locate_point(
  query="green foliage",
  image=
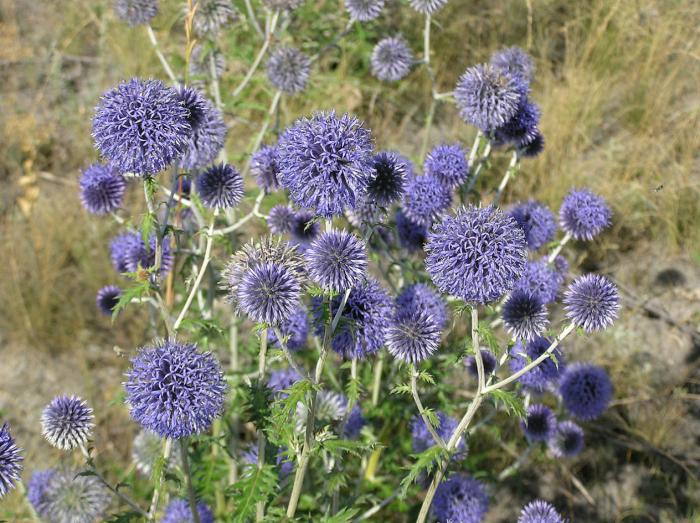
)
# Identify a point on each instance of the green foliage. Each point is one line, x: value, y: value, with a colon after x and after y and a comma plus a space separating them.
x: 257, y: 484
x: 345, y: 515
x: 425, y: 463
x: 512, y: 403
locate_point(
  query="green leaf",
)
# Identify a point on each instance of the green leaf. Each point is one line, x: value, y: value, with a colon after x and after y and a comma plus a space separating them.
x: 138, y: 290
x: 510, y: 401
x: 425, y: 376
x: 487, y: 337
x: 404, y: 388
x: 425, y: 462
x: 338, y: 447
x: 125, y: 517
x: 258, y: 484
x: 345, y: 515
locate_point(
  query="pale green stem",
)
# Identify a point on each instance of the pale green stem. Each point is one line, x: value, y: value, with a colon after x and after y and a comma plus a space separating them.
x: 262, y: 362
x: 153, y: 509
x: 161, y: 57
x: 270, y: 26
x: 421, y: 410
x: 552, y: 256
x: 188, y: 478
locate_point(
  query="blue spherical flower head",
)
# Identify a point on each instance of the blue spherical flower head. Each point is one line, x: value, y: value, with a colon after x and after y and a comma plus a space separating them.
x: 412, y: 235
x: 567, y: 440
x: 561, y: 266
x: 524, y: 315
x: 522, y: 128
x: 391, y: 59
x: 539, y: 423
x: 355, y: 423
x: 364, y: 10
x: 263, y: 166
x: 539, y: 279
x: 389, y: 178
x: 69, y: 497
x: 37, y: 488
x: 136, y: 12
x: 534, y: 147
x: 412, y: 337
x: 174, y: 390
x: 141, y: 127
x: 220, y: 187
x: 448, y: 164
x: 586, y: 391
x: 425, y: 200
x: 476, y: 255
x: 129, y: 253
x: 326, y: 163
x: 337, y: 260
x: 208, y: 129
x: 67, y: 422
x: 427, y: 7
x: 280, y: 219
x: 422, y: 298
x: 592, y: 302
x: 422, y: 440
x: 10, y: 461
x: 487, y: 98
x: 547, y: 372
x: 584, y: 214
x: 536, y: 221
x: 281, y: 380
x: 461, y: 499
x: 288, y: 69
x: 514, y: 61
x: 295, y: 329
x: 488, y: 359
x: 539, y: 511
x: 108, y: 298
x: 304, y: 229
x: 101, y: 189
x: 179, y: 511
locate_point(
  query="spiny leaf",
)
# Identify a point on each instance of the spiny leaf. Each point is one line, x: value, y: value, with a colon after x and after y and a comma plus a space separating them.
x: 340, y: 446
x: 510, y: 401
x: 425, y: 462
x: 345, y: 515
x: 487, y: 337
x: 138, y: 290
x: 404, y: 388
x: 258, y: 484
x: 425, y: 376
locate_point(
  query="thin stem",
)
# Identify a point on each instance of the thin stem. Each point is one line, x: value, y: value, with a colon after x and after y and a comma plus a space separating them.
x: 285, y: 350
x: 245, y: 219
x: 475, y: 148
x: 253, y: 18
x: 334, y: 42
x: 426, y: 129
x: 234, y: 366
x: 188, y: 477
x: 270, y: 25
x: 477, y: 349
x: 377, y: 382
x: 477, y: 170
x: 510, y: 470
x: 421, y: 410
x: 262, y: 362
x: 153, y: 509
x: 161, y: 57
x: 431, y: 110
x: 512, y: 169
x: 552, y: 256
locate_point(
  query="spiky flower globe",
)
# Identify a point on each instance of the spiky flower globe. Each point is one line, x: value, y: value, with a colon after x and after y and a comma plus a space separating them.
x: 174, y: 390
x: 412, y: 235
x: 476, y: 255
x: 487, y: 98
x: 539, y: 423
x: 540, y: 377
x: 281, y: 380
x: 567, y: 440
x: 515, y: 62
x: 425, y: 200
x: 211, y: 16
x: 539, y: 511
x: 304, y: 229
x: 37, y: 487
x: 263, y: 166
x: 592, y: 302
x: 522, y: 128
x: 208, y: 129
x: 337, y: 260
x: 67, y: 422
x: 422, y: 440
x: 364, y: 10
x: 10, y: 461
x: 584, y: 214
x: 280, y: 219
x: 147, y: 449
x: 420, y: 297
x: 220, y: 186
x: 427, y: 7
x: 586, y: 390
x: 536, y: 221
x: 101, y: 189
x: 129, y: 253
x: 524, y: 315
x: 391, y: 59
x: 460, y: 498
x: 412, y: 337
x: 288, y: 69
x: 141, y: 127
x: 330, y: 409
x: 107, y: 299
x: 539, y: 279
x: 66, y: 497
x: 447, y: 164
x: 326, y: 162
x: 179, y: 511
x: 295, y: 329
x: 534, y: 147
x: 136, y: 12
x: 389, y: 178
x: 487, y: 358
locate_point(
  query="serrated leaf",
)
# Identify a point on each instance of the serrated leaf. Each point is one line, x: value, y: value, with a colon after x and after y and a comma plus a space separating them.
x: 258, y: 484
x: 510, y: 401
x: 425, y: 462
x: 487, y: 336
x: 404, y: 388
x: 425, y: 376
x: 138, y: 290
x: 337, y: 447
x: 344, y: 515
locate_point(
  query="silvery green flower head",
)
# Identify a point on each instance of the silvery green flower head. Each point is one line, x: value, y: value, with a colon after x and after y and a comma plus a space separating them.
x: 460, y: 498
x: 288, y: 69
x: 208, y: 129
x: 539, y: 511
x: 147, y: 449
x: 211, y: 16
x: 101, y: 189
x: 326, y: 162
x: 364, y: 10
x: 136, y: 12
x: 67, y: 422
x: 10, y: 461
x: 330, y: 409
x: 68, y: 497
x: 391, y: 59
x: 174, y: 390
x: 141, y: 127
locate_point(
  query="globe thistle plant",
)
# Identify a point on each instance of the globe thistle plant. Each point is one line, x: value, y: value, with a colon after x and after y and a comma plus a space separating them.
x: 392, y: 59
x: 539, y: 511
x: 263, y: 166
x: 539, y: 423
x: 295, y: 329
x: 420, y: 297
x: 427, y: 7
x: 522, y: 128
x: 389, y: 178
x: 211, y: 16
x: 460, y: 498
x: 129, y: 253
x: 101, y: 189
x: 422, y: 440
x: 412, y: 337
x: 208, y: 129
x: 567, y: 440
x: 330, y: 409
x: 447, y: 164
x: 281, y: 380
x: 10, y: 461
x: 476, y: 255
x: 543, y: 375
x: 534, y: 147
x: 487, y: 358
x: 540, y: 280
x: 108, y: 298
x: 280, y: 219
x: 71, y: 498
x: 67, y: 422
x: 524, y: 315
x: 584, y: 214
x: 337, y: 260
x: 37, y: 488
x: 586, y: 391
x: 220, y: 187
x: 364, y: 10
x: 412, y: 235
x: 288, y: 69
x: 514, y: 61
x: 174, y: 390
x: 147, y: 449
x: 304, y: 229
x: 201, y: 62
x: 592, y: 302
x: 425, y: 200
x: 536, y: 221
x: 136, y: 12
x: 179, y: 511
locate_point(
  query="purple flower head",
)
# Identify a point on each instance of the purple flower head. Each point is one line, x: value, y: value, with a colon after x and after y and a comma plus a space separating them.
x: 389, y: 178
x: 325, y: 162
x: 422, y: 440
x: 539, y: 511
x: 547, y: 372
x: 67, y: 497
x: 37, y: 488
x: 129, y: 253
x: 584, y: 214
x: 281, y: 380
x: 534, y: 147
x: 141, y: 127
x: 288, y: 69
x: 514, y: 61
x: 67, y: 422
x: 304, y: 229
x: 263, y: 166
x: 539, y: 423
x: 208, y: 129
x: 561, y: 265
x: 296, y: 329
x: 364, y: 10
x: 107, y: 299
x: 425, y: 200
x: 487, y: 98
x: 422, y: 298
x: 476, y: 255
x: 447, y: 164
x: 337, y: 260
x: 220, y: 186
x: 147, y: 449
x: 522, y: 128
x: 461, y: 499
x: 412, y: 236
x: 10, y: 461
x: 391, y: 59
x: 539, y: 279
x: 592, y: 302
x: 101, y: 189
x: 536, y: 221
x: 524, y: 315
x: 427, y: 7
x: 174, y: 390
x: 211, y: 16
x: 566, y: 441
x: 136, y: 12
x: 355, y: 423
x: 487, y: 357
x: 179, y: 511
x: 280, y: 219
x: 413, y: 337
x: 586, y: 390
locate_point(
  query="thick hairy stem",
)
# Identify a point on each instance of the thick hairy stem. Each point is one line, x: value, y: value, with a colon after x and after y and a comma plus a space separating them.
x: 270, y: 26
x: 262, y: 362
x: 188, y: 478
x: 157, y: 488
x: 421, y: 410
x: 161, y: 57
x: 552, y: 256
